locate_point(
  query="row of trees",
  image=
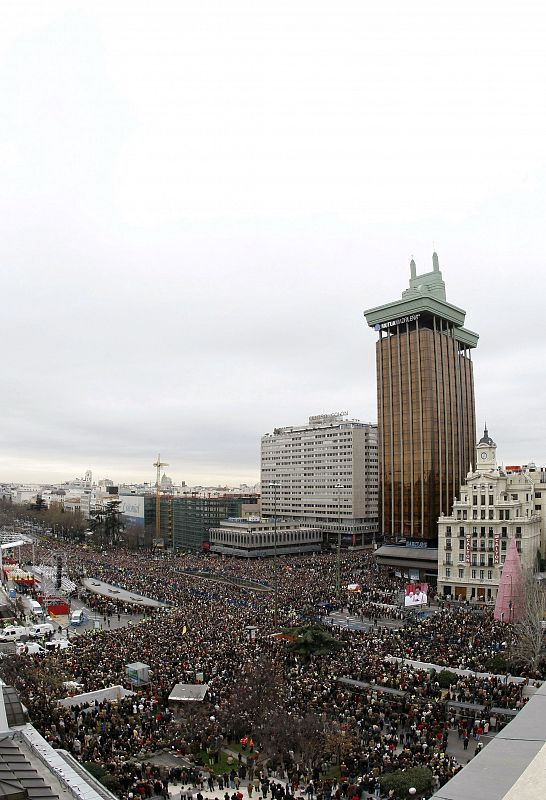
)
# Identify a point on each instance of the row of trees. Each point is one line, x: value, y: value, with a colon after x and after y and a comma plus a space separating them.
x: 107, y: 524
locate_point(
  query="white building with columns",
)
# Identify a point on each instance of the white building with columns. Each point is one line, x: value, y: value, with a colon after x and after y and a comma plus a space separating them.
x: 495, y: 506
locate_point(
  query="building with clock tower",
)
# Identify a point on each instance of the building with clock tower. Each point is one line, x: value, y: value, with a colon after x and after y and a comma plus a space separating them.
x: 494, y: 507
x: 486, y: 453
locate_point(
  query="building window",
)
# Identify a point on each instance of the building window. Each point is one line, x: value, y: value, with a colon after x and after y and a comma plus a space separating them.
x: 518, y: 546
x: 489, y: 574
x: 538, y: 494
x: 461, y: 531
x: 448, y: 530
x: 518, y: 530
x: 490, y: 499
x: 482, y: 574
x: 461, y: 573
x: 473, y: 573
x: 491, y: 514
x: 475, y: 500
x: 474, y: 515
x: 461, y: 556
x: 504, y: 532
x: 538, y: 508
x: 448, y: 572
x: 465, y: 513
x: 461, y: 544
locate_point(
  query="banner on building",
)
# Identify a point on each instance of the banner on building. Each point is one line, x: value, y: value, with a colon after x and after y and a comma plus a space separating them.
x: 415, y: 594
x: 496, y: 549
x: 467, y: 548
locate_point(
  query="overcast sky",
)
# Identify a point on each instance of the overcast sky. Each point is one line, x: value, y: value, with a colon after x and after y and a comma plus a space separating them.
x: 199, y: 199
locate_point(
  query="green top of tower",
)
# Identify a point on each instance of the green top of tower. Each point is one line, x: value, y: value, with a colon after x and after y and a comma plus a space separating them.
x: 426, y: 298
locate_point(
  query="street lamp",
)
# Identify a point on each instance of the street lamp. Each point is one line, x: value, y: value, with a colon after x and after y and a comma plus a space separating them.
x: 338, y: 553
x: 275, y: 486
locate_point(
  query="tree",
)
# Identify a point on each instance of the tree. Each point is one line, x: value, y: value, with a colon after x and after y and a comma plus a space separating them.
x: 312, y: 640
x: 526, y: 650
x: 420, y: 778
x: 40, y: 504
x: 108, y: 523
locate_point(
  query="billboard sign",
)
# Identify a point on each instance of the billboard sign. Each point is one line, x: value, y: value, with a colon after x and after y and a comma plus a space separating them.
x: 415, y: 594
x: 132, y: 508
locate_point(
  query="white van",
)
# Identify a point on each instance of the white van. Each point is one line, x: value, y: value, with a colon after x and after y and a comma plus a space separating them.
x: 37, y: 631
x: 36, y: 610
x: 77, y: 617
x: 12, y: 633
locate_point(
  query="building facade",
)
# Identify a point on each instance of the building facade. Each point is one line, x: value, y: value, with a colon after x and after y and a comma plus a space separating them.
x: 256, y: 537
x: 494, y: 507
x: 186, y: 520
x: 425, y: 397
x: 323, y: 474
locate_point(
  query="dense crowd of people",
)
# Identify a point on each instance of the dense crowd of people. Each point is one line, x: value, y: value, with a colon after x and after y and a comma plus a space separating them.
x: 302, y: 717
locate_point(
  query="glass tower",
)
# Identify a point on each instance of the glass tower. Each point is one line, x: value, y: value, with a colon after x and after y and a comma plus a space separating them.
x: 425, y: 399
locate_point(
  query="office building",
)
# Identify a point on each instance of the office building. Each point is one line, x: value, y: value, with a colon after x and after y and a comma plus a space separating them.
x: 185, y: 520
x: 324, y: 474
x: 255, y: 537
x: 494, y: 508
x: 425, y: 395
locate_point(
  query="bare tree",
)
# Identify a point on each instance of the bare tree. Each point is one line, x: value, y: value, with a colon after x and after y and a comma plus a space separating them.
x: 528, y: 633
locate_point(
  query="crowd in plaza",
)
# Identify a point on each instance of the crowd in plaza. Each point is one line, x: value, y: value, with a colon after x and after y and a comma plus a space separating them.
x: 397, y: 719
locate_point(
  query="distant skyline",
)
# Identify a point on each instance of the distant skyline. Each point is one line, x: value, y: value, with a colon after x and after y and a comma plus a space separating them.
x: 198, y: 201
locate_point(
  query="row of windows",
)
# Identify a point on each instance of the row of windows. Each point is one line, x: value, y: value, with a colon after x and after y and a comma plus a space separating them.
x: 491, y: 532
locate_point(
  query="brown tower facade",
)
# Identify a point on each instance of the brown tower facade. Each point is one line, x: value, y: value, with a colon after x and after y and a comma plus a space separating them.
x: 425, y: 396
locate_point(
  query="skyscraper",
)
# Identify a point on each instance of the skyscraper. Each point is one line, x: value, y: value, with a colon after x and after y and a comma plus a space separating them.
x: 425, y: 398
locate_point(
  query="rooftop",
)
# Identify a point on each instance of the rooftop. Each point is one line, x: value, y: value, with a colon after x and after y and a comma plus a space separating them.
x: 512, y: 766
x: 426, y: 298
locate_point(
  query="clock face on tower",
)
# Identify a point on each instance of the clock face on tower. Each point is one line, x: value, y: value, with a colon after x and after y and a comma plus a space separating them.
x: 483, y: 455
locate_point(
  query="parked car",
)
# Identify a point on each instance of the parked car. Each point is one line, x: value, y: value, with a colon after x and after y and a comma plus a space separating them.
x: 78, y: 617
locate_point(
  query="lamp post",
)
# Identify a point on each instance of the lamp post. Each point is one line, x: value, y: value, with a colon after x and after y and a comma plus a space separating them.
x: 275, y: 486
x: 338, y: 555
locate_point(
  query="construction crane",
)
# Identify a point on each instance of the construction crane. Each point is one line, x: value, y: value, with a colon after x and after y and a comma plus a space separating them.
x: 158, y: 464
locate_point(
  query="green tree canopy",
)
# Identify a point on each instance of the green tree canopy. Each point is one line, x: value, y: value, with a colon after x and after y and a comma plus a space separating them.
x: 312, y: 640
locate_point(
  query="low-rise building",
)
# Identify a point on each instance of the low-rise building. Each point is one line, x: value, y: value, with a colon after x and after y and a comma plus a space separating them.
x: 495, y: 506
x: 256, y: 537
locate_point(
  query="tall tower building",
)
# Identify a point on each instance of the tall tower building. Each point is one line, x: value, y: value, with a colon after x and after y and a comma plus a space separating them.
x: 425, y: 397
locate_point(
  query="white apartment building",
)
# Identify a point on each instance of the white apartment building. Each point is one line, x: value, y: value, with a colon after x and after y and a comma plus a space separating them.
x: 495, y: 506
x: 324, y: 474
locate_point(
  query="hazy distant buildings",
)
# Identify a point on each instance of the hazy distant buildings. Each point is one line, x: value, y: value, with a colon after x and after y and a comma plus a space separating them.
x: 425, y: 396
x: 324, y: 474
